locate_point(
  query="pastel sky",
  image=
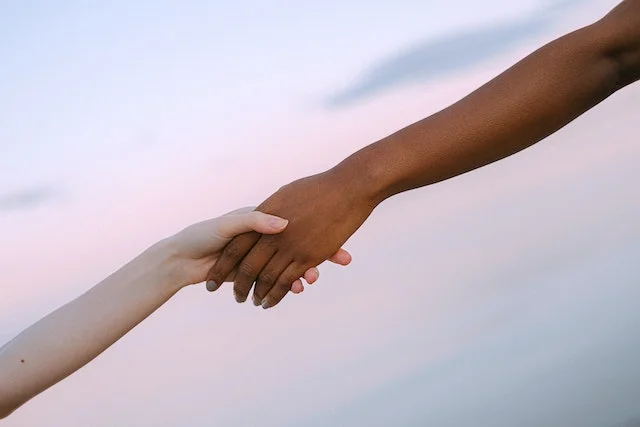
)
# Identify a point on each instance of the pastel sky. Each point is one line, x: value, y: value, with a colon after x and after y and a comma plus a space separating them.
x: 507, y: 296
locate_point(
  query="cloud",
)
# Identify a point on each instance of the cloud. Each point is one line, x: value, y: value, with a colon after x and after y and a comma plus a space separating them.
x: 26, y: 199
x: 446, y: 55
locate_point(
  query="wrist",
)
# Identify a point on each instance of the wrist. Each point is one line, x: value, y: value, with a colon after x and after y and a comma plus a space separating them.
x: 166, y: 264
x: 363, y: 177
x: 351, y: 184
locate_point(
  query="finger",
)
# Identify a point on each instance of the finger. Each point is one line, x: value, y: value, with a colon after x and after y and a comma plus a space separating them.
x: 269, y: 274
x: 342, y: 257
x: 297, y: 287
x: 235, y: 250
x: 311, y: 275
x: 241, y: 210
x: 230, y: 225
x: 251, y: 265
x: 281, y: 287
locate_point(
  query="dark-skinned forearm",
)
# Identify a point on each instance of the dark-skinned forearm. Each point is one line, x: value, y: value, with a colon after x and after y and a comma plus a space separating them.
x: 531, y: 100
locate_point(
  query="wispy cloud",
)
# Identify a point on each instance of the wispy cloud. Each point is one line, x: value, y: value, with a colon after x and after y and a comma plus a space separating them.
x: 446, y: 55
x: 30, y: 198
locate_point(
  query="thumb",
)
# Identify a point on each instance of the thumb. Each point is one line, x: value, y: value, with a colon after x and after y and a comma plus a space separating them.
x: 230, y: 226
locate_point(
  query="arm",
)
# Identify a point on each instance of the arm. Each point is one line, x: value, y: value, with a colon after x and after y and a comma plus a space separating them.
x: 520, y: 107
x: 526, y: 103
x: 72, y: 336
x: 76, y: 333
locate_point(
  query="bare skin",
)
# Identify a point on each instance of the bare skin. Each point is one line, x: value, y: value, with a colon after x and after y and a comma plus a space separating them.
x: 73, y: 335
x: 525, y: 104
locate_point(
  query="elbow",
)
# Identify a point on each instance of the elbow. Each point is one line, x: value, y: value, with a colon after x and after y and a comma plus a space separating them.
x: 618, y: 41
x: 626, y: 65
x: 628, y: 69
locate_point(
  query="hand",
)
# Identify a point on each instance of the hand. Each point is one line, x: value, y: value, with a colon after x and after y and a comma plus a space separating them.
x: 323, y: 211
x: 198, y: 246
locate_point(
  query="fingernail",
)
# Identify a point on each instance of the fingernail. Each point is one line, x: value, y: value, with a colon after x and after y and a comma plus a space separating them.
x: 265, y: 304
x: 238, y: 297
x: 256, y: 301
x: 276, y: 222
x: 212, y: 285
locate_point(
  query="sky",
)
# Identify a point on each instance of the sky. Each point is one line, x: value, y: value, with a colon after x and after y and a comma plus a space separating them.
x: 506, y: 296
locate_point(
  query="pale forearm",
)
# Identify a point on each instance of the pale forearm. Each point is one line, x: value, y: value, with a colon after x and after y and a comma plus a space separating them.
x: 76, y: 333
x: 523, y: 105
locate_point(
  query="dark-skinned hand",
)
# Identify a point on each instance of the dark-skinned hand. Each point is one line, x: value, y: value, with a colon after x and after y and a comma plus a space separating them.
x: 323, y: 212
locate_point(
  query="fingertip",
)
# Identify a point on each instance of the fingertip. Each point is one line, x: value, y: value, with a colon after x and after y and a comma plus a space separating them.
x: 256, y: 300
x: 268, y: 224
x: 342, y: 257
x: 297, y: 287
x: 312, y: 275
x: 212, y: 285
x: 283, y: 285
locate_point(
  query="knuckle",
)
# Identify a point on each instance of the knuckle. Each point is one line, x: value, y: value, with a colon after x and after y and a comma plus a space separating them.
x: 233, y: 250
x: 245, y: 271
x: 266, y: 277
x: 269, y: 241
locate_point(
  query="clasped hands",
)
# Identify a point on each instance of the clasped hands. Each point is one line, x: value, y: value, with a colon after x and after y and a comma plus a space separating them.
x: 322, y: 210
